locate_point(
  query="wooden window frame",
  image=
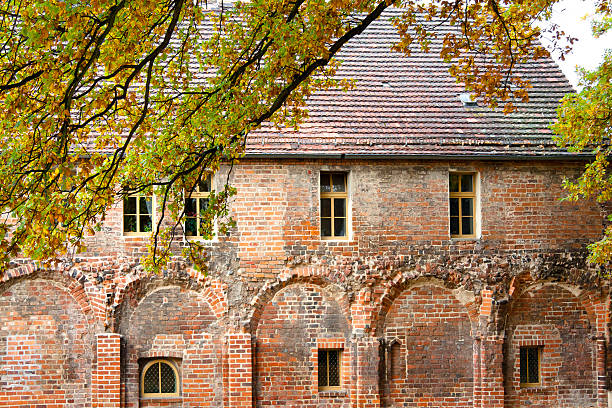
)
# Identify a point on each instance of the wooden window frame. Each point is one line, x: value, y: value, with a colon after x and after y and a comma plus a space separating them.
x: 333, y: 196
x: 139, y: 233
x: 160, y: 394
x: 197, y: 195
x: 462, y: 194
x: 531, y: 384
x: 330, y: 387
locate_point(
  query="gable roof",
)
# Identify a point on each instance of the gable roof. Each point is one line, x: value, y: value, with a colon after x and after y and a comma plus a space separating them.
x: 409, y: 107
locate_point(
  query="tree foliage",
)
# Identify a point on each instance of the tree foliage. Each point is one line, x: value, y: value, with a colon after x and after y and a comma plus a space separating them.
x: 105, y: 98
x: 585, y: 124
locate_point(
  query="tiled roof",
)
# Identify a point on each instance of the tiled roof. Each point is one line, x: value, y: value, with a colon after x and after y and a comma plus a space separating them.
x: 409, y: 106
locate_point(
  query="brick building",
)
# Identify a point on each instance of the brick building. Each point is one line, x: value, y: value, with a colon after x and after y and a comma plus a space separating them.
x: 404, y: 249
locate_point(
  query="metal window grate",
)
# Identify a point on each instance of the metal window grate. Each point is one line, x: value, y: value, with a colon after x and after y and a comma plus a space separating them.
x: 329, y: 368
x: 530, y: 365
x: 151, y: 380
x: 159, y: 378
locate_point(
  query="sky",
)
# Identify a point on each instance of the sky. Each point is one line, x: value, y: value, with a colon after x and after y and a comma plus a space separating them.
x: 587, y: 51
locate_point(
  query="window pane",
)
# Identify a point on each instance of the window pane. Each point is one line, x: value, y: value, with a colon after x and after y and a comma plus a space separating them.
x: 454, y: 225
x: 145, y: 224
x: 322, y: 368
x: 191, y: 227
x: 326, y: 207
x: 467, y: 207
x: 467, y: 183
x: 523, y: 365
x: 129, y: 205
x: 129, y: 223
x: 204, y: 185
x: 151, y: 379
x: 190, y: 207
x: 145, y: 204
x: 167, y: 379
x: 203, y: 205
x: 453, y: 183
x: 334, y: 368
x: 338, y: 181
x: 339, y: 206
x: 325, y: 185
x: 326, y: 227
x: 533, y: 368
x: 467, y: 226
x: 454, y: 207
x: 339, y: 227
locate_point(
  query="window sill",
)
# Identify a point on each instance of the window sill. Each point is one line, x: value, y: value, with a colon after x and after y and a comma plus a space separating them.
x: 332, y: 393
x: 465, y: 238
x: 176, y: 398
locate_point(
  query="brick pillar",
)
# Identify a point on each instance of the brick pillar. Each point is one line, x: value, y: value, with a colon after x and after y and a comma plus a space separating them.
x: 240, y: 370
x: 491, y: 372
x: 367, y: 394
x: 477, y: 374
x: 602, y: 393
x: 106, y: 377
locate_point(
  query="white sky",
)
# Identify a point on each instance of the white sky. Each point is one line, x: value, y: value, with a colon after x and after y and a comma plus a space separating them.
x: 587, y: 51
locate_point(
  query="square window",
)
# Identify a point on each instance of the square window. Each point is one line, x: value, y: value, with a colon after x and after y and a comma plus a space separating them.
x: 333, y: 211
x: 462, y: 203
x: 196, y: 204
x: 530, y: 365
x: 330, y: 369
x: 137, y: 214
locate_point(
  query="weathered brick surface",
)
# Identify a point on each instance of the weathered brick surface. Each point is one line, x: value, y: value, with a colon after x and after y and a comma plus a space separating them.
x: 423, y: 320
x: 46, y: 346
x: 428, y: 350
x: 292, y: 326
x: 553, y: 318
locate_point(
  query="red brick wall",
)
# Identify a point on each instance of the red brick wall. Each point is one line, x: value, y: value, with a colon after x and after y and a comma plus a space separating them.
x: 46, y: 346
x: 553, y: 318
x: 293, y: 324
x: 174, y: 323
x: 430, y: 353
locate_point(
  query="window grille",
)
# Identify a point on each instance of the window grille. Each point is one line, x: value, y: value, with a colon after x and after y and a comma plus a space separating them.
x: 530, y: 365
x: 159, y: 378
x: 329, y: 369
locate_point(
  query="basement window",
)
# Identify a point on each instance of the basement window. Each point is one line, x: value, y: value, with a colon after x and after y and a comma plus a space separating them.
x: 530, y: 366
x: 329, y: 370
x: 159, y: 378
x: 334, y: 200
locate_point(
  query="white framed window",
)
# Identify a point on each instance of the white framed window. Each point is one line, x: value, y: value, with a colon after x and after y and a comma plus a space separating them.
x: 196, y: 203
x: 138, y: 214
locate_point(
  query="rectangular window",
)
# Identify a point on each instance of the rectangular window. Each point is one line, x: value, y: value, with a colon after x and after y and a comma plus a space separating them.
x: 137, y: 214
x: 195, y: 204
x: 530, y: 365
x: 333, y: 205
x: 462, y: 194
x: 329, y: 369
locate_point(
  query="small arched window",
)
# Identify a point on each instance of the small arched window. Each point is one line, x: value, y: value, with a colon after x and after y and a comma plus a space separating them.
x: 159, y: 378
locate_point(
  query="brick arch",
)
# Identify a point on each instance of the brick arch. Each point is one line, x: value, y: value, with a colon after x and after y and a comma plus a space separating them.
x: 90, y: 299
x: 588, y: 299
x: 428, y: 349
x: 296, y: 320
x: 47, y: 328
x: 165, y: 318
x: 211, y: 290
x: 559, y: 319
x: 321, y: 277
x: 384, y: 301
